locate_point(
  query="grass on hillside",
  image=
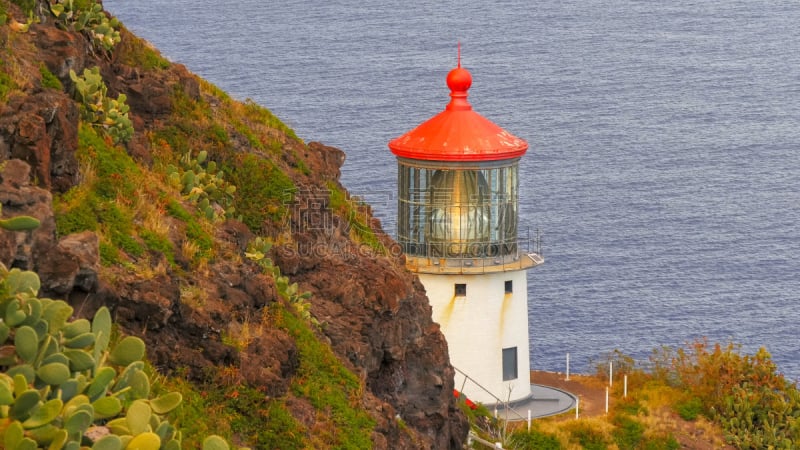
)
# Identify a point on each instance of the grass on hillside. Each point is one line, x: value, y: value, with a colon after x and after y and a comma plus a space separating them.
x: 721, y: 396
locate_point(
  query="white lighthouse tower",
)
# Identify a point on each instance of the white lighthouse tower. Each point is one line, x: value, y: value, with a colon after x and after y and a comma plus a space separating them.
x: 458, y: 192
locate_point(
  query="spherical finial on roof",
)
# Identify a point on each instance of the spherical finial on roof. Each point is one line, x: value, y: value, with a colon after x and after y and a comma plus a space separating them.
x: 459, y: 79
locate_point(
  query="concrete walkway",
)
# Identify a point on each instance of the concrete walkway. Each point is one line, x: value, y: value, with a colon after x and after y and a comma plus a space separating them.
x: 544, y: 401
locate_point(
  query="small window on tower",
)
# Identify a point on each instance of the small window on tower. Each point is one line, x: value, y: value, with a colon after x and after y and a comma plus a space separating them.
x: 509, y: 286
x: 510, y: 363
x: 461, y: 290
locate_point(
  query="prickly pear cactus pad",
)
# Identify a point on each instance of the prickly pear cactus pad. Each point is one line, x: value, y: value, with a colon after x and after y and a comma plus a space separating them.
x: 64, y: 385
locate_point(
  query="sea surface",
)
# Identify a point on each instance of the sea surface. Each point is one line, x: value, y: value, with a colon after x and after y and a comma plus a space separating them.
x: 664, y: 160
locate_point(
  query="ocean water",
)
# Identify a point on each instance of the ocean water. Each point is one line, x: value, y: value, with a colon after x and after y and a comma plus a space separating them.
x: 663, y: 169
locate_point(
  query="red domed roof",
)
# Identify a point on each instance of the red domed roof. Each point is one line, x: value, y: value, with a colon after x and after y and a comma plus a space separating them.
x: 458, y: 133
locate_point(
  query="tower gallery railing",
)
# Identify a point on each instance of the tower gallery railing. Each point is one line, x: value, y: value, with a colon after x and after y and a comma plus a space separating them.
x: 525, y: 253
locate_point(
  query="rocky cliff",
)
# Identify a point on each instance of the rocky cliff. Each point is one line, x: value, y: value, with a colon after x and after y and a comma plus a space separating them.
x: 118, y: 231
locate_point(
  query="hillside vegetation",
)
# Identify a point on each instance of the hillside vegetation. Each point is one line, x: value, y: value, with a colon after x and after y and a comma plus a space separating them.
x: 216, y: 239
x: 702, y: 396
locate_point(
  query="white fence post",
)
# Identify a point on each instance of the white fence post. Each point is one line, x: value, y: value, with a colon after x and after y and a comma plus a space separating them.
x: 611, y: 373
x: 567, y: 366
x: 625, y: 387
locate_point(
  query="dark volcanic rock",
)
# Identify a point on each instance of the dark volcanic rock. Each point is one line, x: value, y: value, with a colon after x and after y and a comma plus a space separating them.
x: 42, y: 130
x: 377, y: 316
x: 72, y: 264
x: 18, y: 197
x: 61, y: 51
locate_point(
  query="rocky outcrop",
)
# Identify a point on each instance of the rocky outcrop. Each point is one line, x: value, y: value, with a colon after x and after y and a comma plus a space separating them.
x: 19, y: 197
x: 42, y: 130
x: 72, y: 264
x: 374, y: 313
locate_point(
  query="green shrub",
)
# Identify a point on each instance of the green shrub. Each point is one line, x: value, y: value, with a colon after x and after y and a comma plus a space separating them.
x: 136, y: 52
x: 630, y: 406
x: 329, y: 386
x: 620, y: 362
x: 194, y: 231
x: 48, y: 79
x: 177, y: 211
x: 629, y: 433
x: 260, y: 114
x: 661, y: 443
x: 75, y: 212
x: 104, y: 204
x: 746, y: 394
x: 535, y: 439
x: 158, y: 243
x: 109, y: 255
x: 689, y: 408
x: 352, y: 210
x: 263, y: 190
x: 26, y: 5
x: 587, y: 436
x: 176, y: 138
x: 6, y: 83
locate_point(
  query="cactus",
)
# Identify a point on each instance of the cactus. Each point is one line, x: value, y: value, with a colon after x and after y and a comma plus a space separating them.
x: 14, y: 435
x: 101, y: 382
x: 20, y: 223
x: 26, y: 343
x: 104, y: 112
x: 76, y: 328
x: 44, y: 414
x: 56, y: 314
x: 166, y: 403
x: 80, y: 341
x: 138, y: 417
x: 108, y: 442
x: 77, y: 423
x: 140, y: 385
x: 61, y: 380
x: 201, y: 184
x: 26, y: 371
x: 19, y: 281
x: 145, y: 441
x: 24, y: 404
x: 124, y: 379
x: 4, y: 332
x: 33, y: 310
x: 128, y: 350
x: 79, y: 360
x: 106, y: 407
x: 6, y: 392
x: 215, y: 443
x: 101, y: 29
x: 53, y: 373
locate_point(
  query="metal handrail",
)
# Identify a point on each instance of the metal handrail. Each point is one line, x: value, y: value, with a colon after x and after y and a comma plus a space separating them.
x: 505, y: 404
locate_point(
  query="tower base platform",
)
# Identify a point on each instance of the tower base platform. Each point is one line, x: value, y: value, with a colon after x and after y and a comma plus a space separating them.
x: 544, y: 401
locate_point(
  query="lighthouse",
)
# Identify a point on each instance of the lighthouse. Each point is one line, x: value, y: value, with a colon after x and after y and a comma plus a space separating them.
x: 458, y: 224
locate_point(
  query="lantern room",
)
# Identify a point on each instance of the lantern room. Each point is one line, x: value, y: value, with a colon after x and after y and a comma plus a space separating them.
x: 458, y: 188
